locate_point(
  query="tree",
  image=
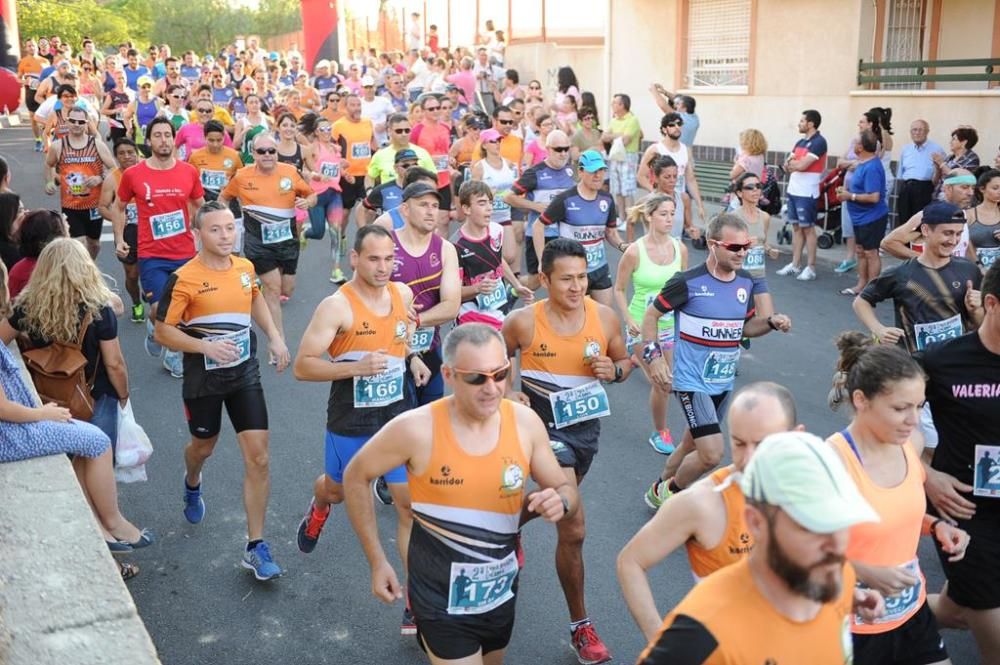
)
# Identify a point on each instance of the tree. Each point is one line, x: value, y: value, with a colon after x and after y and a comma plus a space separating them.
x: 73, y: 20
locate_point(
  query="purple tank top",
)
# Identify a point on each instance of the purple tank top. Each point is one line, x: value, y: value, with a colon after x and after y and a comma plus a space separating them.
x: 422, y: 274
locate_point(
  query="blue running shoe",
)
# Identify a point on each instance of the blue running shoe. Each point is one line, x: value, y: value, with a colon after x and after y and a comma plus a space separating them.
x: 662, y: 442
x: 260, y: 562
x: 152, y: 348
x: 194, y: 505
x: 173, y: 362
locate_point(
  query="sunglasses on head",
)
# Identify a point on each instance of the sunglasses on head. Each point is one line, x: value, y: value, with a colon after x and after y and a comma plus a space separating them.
x: 402, y: 130
x: 266, y: 151
x: 478, y: 378
x: 733, y: 246
x: 749, y: 188
x: 560, y: 148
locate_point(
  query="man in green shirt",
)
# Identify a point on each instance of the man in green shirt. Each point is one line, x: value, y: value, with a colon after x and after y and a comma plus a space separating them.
x: 625, y: 126
x: 382, y: 168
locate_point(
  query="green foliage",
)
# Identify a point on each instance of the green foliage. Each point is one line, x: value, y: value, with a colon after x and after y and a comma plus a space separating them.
x: 74, y: 19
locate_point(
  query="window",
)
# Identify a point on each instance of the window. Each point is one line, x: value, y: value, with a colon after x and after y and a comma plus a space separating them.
x: 718, y: 44
x: 904, y: 38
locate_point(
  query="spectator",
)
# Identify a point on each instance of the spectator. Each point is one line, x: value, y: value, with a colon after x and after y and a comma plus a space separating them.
x: 566, y: 86
x: 750, y: 159
x: 865, y: 200
x: 805, y: 164
x: 682, y: 104
x: 963, y: 140
x: 498, y: 49
x: 536, y: 95
x: 414, y: 35
x: 38, y: 229
x: 588, y: 137
x: 535, y: 150
x: 624, y: 127
x: 465, y: 80
x: 916, y: 172
x: 10, y: 208
x: 419, y: 75
x: 511, y: 89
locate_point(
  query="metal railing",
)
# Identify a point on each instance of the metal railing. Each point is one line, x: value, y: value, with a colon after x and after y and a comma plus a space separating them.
x: 990, y: 71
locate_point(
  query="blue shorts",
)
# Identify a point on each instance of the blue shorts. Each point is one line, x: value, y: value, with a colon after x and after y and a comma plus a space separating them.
x: 341, y: 449
x: 802, y: 210
x: 153, y: 275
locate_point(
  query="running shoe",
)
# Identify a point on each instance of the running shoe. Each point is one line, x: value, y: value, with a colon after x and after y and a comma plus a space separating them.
x: 589, y: 648
x: 173, y: 362
x: 662, y: 442
x: 846, y: 265
x: 310, y: 527
x: 152, y: 348
x: 408, y: 626
x: 194, y: 505
x: 303, y: 240
x: 260, y: 562
x: 745, y: 343
x: 657, y: 494
x: 807, y: 274
x: 381, y: 491
x: 38, y: 145
x: 790, y: 269
x: 282, y: 298
x: 337, y: 276
x: 138, y: 316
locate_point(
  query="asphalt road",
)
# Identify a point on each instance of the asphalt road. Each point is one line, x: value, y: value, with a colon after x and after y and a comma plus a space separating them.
x: 201, y: 608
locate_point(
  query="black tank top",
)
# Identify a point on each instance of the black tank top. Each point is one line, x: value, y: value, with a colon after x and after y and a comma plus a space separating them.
x: 295, y: 159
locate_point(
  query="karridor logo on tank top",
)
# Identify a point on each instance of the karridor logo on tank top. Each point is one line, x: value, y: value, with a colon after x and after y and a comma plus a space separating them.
x: 745, y: 545
x: 365, y: 329
x: 446, y: 478
x: 543, y: 352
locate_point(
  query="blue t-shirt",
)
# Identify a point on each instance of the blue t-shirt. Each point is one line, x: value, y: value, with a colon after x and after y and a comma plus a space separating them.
x: 583, y: 220
x: 385, y: 197
x: 322, y: 83
x: 710, y: 315
x: 192, y: 73
x: 132, y: 77
x: 869, y: 176
x: 221, y: 96
x: 543, y: 183
x: 689, y: 130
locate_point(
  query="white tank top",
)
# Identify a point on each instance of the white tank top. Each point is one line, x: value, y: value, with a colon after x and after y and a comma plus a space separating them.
x: 500, y: 181
x: 681, y: 157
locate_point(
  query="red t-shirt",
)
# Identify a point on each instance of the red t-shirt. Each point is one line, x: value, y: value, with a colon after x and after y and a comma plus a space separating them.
x: 161, y: 198
x: 19, y: 275
x: 436, y: 140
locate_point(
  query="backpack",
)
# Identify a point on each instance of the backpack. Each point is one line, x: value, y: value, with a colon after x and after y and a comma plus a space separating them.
x: 770, y: 195
x: 59, y: 374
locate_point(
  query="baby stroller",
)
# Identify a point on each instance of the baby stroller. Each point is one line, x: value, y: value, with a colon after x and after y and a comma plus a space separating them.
x: 827, y: 213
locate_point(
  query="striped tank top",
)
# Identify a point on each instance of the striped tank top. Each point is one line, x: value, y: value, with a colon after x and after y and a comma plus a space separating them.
x: 466, y: 510
x: 75, y: 166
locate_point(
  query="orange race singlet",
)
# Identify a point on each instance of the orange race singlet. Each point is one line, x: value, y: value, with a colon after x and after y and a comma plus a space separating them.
x: 736, y: 540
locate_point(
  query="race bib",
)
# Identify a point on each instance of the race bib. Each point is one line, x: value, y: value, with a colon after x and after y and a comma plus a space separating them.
x: 131, y: 214
x: 242, y: 340
x: 754, y: 260
x: 575, y: 405
x: 498, y: 203
x: 182, y: 153
x: 987, y: 256
x: 903, y: 603
x: 275, y: 232
x: 380, y: 389
x: 595, y: 256
x: 441, y: 162
x: 33, y: 82
x: 330, y: 169
x: 720, y: 366
x: 361, y: 151
x: 95, y: 214
x: 494, y: 300
x: 167, y: 225
x: 938, y: 331
x: 476, y: 588
x: 987, y: 472
x: 421, y: 340
x: 214, y: 180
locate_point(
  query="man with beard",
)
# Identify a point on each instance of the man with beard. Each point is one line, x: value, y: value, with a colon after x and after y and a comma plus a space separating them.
x: 795, y: 592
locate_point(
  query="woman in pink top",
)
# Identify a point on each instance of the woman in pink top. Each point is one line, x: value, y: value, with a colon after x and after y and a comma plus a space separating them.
x: 535, y: 152
x: 326, y: 166
x: 191, y: 136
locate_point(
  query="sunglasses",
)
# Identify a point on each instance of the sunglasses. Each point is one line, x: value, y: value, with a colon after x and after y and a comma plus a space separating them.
x: 324, y: 129
x: 433, y: 108
x: 205, y: 110
x: 402, y: 130
x: 734, y: 247
x: 505, y: 122
x: 266, y: 151
x: 560, y: 148
x: 76, y: 122
x: 534, y: 87
x: 176, y: 96
x: 750, y: 188
x: 675, y: 124
x: 478, y: 378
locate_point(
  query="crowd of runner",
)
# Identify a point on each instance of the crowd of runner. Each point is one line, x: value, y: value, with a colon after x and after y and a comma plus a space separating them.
x: 466, y: 193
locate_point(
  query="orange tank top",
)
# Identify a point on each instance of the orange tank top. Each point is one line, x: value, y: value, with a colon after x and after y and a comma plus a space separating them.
x: 892, y: 541
x: 75, y: 166
x: 559, y: 361
x: 736, y: 540
x: 370, y: 332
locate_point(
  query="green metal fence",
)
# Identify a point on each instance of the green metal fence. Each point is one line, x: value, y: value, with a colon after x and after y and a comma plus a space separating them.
x: 870, y: 72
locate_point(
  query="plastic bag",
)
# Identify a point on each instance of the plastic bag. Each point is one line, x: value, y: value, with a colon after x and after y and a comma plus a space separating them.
x: 133, y: 449
x: 617, y: 152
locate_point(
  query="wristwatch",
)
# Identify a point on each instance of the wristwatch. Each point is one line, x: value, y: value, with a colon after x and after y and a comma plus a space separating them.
x: 619, y: 373
x: 565, y: 505
x: 651, y: 351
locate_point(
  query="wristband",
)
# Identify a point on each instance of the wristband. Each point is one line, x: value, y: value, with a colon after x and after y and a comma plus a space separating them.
x: 933, y: 525
x: 651, y: 352
x: 411, y: 356
x: 565, y: 504
x: 770, y: 323
x: 619, y: 374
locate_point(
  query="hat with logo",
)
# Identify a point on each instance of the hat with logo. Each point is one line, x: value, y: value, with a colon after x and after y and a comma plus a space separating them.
x: 942, y: 212
x: 406, y: 154
x: 803, y: 475
x: 144, y: 80
x: 418, y: 189
x: 489, y: 135
x: 367, y: 81
x: 591, y: 161
x: 322, y: 63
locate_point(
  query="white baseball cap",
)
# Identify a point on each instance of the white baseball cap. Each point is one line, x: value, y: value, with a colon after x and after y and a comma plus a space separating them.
x: 367, y: 81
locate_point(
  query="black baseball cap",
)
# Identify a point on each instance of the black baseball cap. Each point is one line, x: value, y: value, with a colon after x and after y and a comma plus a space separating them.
x: 418, y: 189
x: 405, y: 154
x: 942, y: 212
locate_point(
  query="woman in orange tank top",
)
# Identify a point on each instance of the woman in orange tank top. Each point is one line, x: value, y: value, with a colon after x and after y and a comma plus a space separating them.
x: 886, y: 388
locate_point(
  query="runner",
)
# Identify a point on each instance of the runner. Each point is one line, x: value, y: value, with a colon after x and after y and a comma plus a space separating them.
x: 586, y: 214
x: 569, y: 345
x: 964, y: 395
x: 327, y: 177
x: 116, y: 100
x: 748, y: 192
x: 463, y: 581
x: 904, y: 241
x: 82, y: 162
x: 886, y: 389
x: 395, y: 219
x: 500, y: 175
x: 176, y: 96
x: 435, y: 137
x: 479, y: 244
x: 356, y: 137
x: 534, y: 190
x: 216, y: 162
x: 984, y: 221
x: 269, y: 194
x: 389, y: 195
x: 646, y: 266
x: 715, y: 308
x: 127, y: 156
x: 165, y: 192
x: 208, y: 304
x: 364, y: 329
x: 141, y: 110
x: 707, y: 519
x: 191, y: 136
x: 796, y: 590
x: 382, y: 165
x: 28, y: 69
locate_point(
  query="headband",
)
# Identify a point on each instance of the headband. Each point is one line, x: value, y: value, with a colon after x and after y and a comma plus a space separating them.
x: 960, y: 180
